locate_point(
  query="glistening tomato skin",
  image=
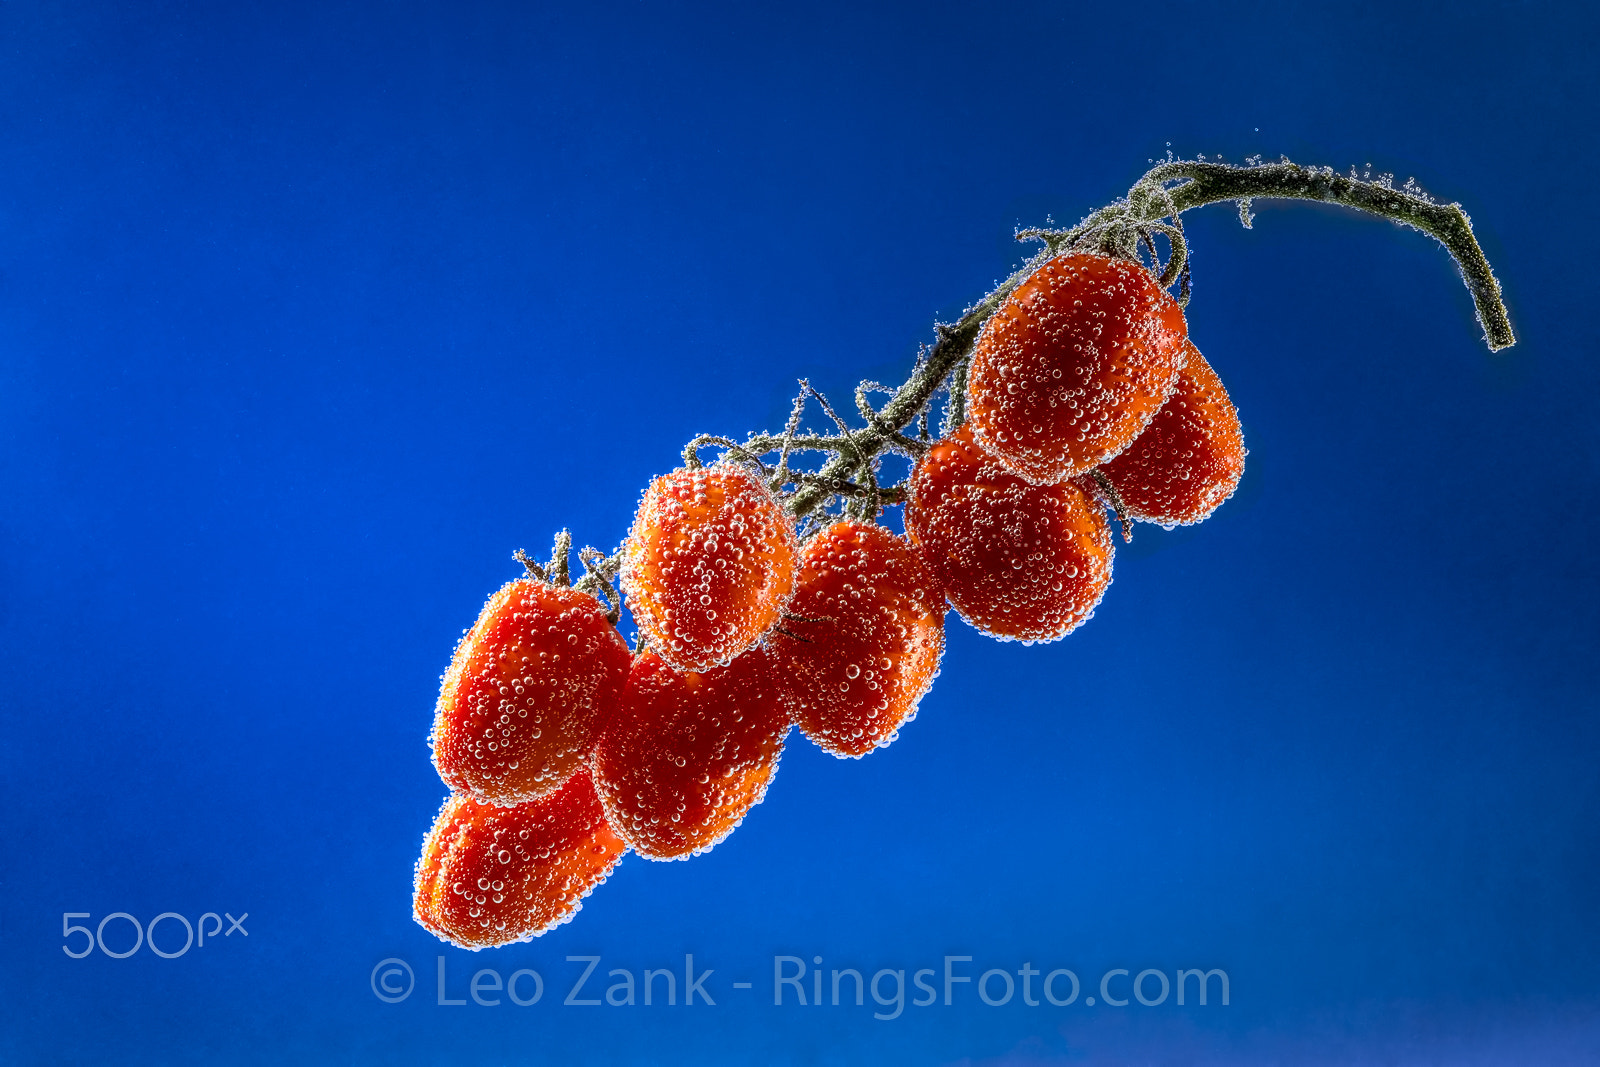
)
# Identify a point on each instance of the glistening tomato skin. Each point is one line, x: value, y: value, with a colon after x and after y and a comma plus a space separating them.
x: 1073, y: 364
x: 1017, y: 560
x: 525, y: 693
x: 689, y: 753
x: 1189, y: 459
x: 710, y: 564
x: 862, y: 639
x: 491, y: 875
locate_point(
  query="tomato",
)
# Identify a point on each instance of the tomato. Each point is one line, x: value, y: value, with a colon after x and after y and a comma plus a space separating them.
x: 861, y: 642
x: 709, y: 565
x: 1017, y: 560
x: 688, y: 753
x: 525, y: 692
x: 491, y: 875
x: 1073, y: 364
x: 1191, y: 457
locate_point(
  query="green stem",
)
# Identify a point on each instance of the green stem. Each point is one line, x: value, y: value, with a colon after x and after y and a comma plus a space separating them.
x: 1210, y: 183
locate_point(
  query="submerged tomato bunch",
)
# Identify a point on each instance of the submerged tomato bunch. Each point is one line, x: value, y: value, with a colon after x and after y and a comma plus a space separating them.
x: 1073, y: 390
x: 565, y: 749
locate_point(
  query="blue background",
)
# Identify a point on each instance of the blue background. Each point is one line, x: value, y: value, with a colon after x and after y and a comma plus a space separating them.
x: 311, y: 313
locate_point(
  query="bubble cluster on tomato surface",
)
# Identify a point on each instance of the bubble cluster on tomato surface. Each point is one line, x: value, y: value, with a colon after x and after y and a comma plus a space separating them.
x: 492, y: 875
x: 525, y: 692
x: 689, y: 753
x: 709, y: 565
x: 1073, y: 364
x: 1189, y: 459
x: 862, y: 640
x: 1017, y: 560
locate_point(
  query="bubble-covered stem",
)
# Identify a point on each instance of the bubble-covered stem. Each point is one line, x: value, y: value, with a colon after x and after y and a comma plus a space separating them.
x: 1211, y: 183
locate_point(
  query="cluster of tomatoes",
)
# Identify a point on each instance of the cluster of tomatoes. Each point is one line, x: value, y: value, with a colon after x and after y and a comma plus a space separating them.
x: 564, y: 749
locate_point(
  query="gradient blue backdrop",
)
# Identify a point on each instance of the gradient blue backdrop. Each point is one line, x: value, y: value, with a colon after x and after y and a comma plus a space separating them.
x: 311, y: 313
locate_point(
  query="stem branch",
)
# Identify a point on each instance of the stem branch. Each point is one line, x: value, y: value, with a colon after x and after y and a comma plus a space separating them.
x: 1210, y: 183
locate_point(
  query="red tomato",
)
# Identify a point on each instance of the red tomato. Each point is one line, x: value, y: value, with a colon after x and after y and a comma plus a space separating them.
x: 1191, y: 457
x: 525, y: 692
x: 709, y: 565
x: 862, y: 639
x: 491, y: 875
x: 689, y: 753
x: 1017, y: 560
x: 1074, y: 363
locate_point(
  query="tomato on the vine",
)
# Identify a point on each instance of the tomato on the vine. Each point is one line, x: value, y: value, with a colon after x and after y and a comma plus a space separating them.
x: 525, y: 692
x: 1073, y: 364
x: 1017, y: 560
x: 1190, y: 458
x: 491, y: 875
x: 862, y: 639
x: 688, y: 753
x: 709, y: 565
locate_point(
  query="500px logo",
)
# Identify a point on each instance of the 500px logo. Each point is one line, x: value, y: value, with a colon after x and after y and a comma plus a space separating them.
x: 194, y: 934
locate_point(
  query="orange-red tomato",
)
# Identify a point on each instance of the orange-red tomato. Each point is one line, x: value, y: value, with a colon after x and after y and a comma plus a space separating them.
x: 1073, y: 364
x: 1017, y: 560
x: 1191, y: 457
x: 525, y: 693
x: 491, y: 875
x: 689, y: 753
x: 709, y: 565
x: 861, y: 642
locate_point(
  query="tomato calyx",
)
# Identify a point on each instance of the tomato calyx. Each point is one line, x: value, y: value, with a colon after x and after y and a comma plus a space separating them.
x: 599, y: 577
